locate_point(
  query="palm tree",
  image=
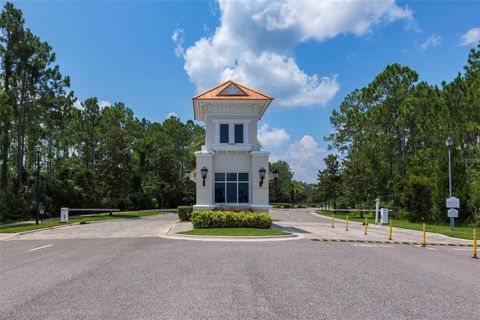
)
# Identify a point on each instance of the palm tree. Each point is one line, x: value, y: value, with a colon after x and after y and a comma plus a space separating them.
x: 293, y: 188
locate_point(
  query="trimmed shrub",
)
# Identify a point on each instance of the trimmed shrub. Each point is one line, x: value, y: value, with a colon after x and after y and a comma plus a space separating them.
x: 229, y: 219
x: 233, y: 208
x: 281, y: 205
x: 184, y: 212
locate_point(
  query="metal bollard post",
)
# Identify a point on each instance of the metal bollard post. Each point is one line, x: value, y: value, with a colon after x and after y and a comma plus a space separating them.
x: 390, y: 231
x: 346, y: 225
x: 424, y: 236
x: 333, y: 221
x: 475, y: 243
x: 366, y: 225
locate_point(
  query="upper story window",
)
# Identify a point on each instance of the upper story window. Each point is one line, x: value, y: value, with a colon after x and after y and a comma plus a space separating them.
x: 231, y: 134
x: 224, y: 133
x: 238, y: 133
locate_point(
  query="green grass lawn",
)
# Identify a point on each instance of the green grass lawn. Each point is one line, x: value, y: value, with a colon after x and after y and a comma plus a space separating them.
x: 53, y: 222
x: 458, y: 232
x: 235, y: 232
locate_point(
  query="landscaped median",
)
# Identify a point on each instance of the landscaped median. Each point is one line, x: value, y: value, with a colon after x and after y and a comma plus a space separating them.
x: 229, y: 223
x: 458, y: 232
x: 55, y: 222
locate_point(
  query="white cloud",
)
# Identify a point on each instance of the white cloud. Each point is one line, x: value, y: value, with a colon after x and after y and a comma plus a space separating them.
x: 178, y: 38
x: 77, y: 104
x: 471, y: 37
x: 172, y: 114
x: 272, y: 138
x: 104, y: 103
x: 256, y: 40
x: 431, y: 41
x: 304, y: 157
x: 101, y: 103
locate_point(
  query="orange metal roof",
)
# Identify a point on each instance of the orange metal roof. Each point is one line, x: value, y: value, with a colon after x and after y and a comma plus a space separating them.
x: 213, y: 93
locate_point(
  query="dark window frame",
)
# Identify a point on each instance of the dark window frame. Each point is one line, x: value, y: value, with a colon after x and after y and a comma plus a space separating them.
x: 222, y: 133
x: 238, y: 134
x: 224, y: 183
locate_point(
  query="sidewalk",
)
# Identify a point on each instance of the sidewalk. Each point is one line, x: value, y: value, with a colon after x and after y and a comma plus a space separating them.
x: 323, y: 230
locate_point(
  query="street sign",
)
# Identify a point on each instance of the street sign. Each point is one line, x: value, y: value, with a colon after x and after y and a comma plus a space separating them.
x: 41, y: 209
x: 453, y: 202
x: 453, y: 213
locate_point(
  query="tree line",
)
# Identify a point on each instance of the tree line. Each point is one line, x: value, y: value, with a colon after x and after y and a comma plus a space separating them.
x: 390, y: 138
x: 89, y: 156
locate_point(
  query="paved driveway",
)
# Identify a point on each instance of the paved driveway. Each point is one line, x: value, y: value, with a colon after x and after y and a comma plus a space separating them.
x: 313, y: 225
x: 125, y: 228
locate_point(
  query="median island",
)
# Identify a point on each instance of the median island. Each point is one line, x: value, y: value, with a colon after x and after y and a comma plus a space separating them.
x: 228, y: 223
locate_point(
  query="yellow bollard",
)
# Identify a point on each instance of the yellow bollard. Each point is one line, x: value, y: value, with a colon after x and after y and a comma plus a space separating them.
x: 475, y: 243
x: 424, y: 236
x: 346, y: 225
x: 390, y: 231
x: 333, y: 220
x: 366, y: 225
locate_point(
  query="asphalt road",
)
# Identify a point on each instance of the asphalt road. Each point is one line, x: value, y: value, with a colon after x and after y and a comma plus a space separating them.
x: 155, y: 278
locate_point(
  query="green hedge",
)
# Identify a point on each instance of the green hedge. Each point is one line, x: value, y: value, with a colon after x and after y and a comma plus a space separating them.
x: 281, y: 205
x: 228, y: 219
x: 233, y: 208
x: 184, y: 212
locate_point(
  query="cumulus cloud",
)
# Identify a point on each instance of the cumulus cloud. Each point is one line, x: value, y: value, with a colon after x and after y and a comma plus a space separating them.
x: 471, y: 37
x: 272, y: 138
x: 431, y: 41
x: 305, y: 158
x: 256, y: 40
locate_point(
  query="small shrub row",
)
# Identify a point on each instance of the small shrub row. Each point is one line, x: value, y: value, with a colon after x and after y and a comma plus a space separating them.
x: 228, y: 219
x: 233, y: 208
x: 282, y: 205
x: 184, y: 212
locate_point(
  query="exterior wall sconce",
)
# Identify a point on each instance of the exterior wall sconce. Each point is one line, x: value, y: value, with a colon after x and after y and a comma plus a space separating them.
x: 204, y: 174
x: 275, y: 175
x: 262, y: 172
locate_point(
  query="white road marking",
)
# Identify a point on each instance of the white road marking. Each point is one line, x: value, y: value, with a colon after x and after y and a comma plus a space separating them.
x: 432, y: 249
x: 461, y: 249
x: 48, y: 245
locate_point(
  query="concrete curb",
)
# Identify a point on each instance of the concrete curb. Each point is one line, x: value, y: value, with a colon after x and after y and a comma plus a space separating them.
x: 394, y: 242
x: 169, y: 234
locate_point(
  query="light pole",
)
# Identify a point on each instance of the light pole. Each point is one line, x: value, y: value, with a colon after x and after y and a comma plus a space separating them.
x: 37, y: 191
x: 275, y: 174
x: 186, y: 173
x: 449, y: 143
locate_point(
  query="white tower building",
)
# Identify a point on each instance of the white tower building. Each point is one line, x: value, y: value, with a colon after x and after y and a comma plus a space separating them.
x: 231, y: 168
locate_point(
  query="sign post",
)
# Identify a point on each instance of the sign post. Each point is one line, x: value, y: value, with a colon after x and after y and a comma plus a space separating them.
x: 41, y: 211
x: 377, y: 210
x: 452, y: 204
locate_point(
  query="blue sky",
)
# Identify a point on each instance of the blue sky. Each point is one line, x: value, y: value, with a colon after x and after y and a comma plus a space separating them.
x: 154, y: 56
